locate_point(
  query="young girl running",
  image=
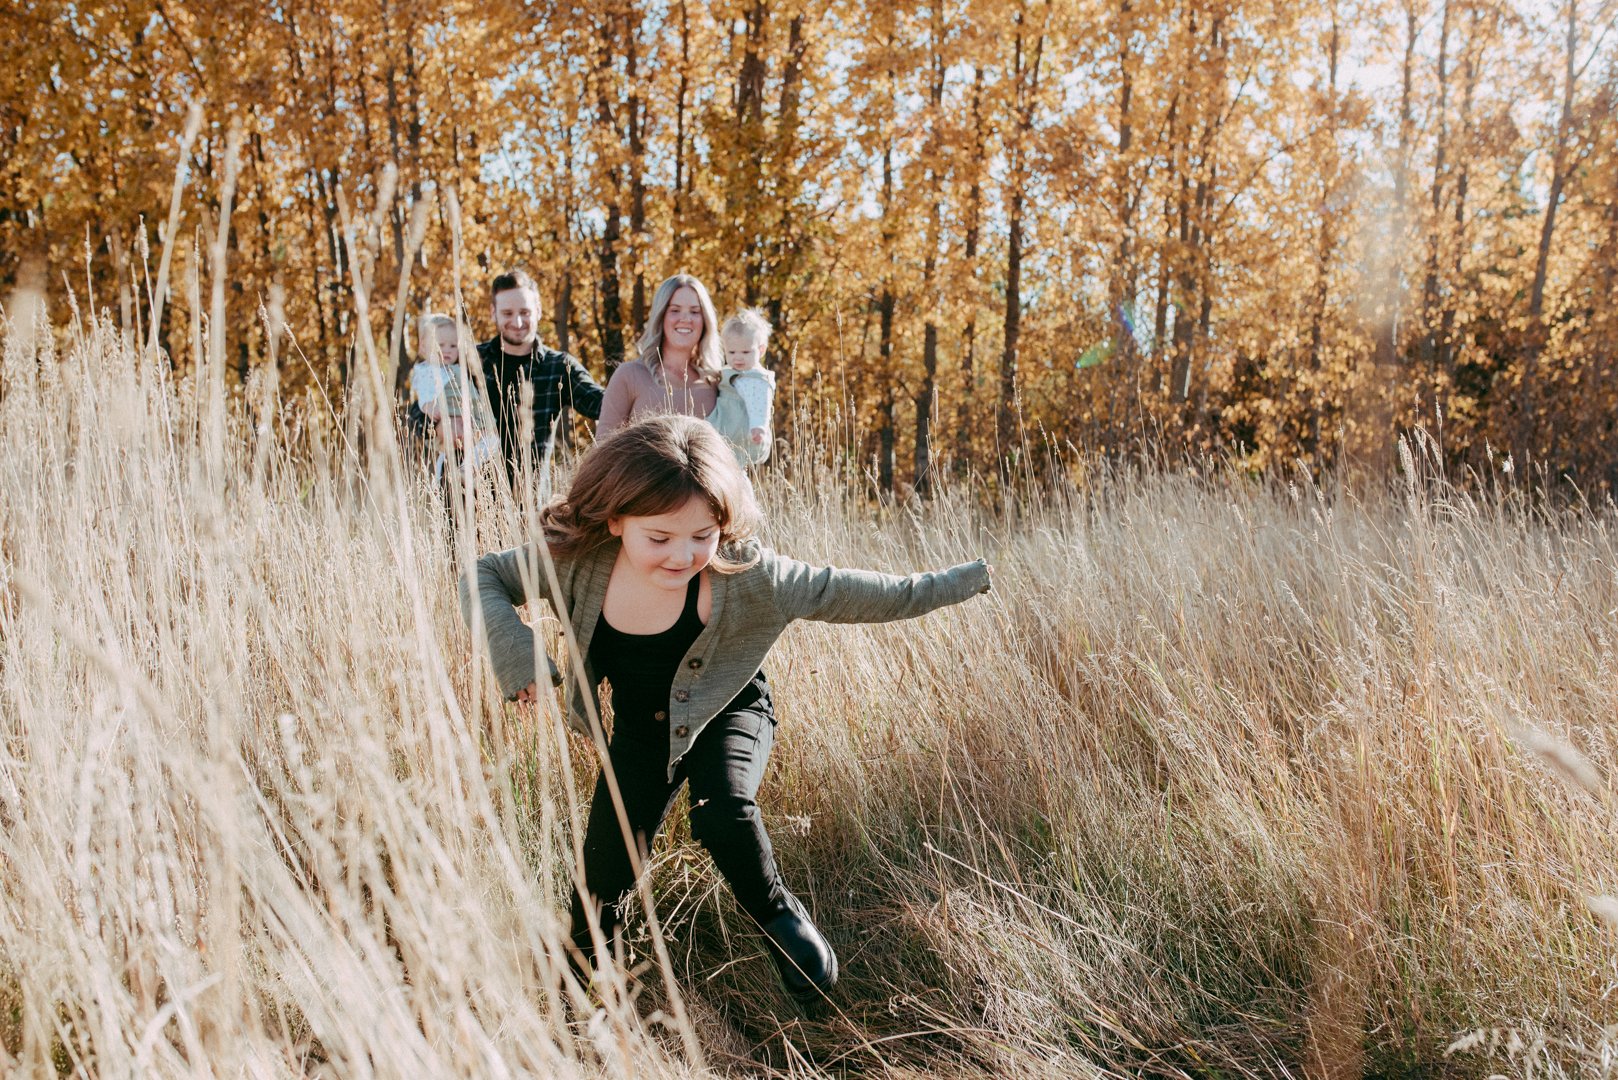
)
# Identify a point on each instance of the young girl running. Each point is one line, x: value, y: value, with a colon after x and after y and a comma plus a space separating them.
x: 671, y: 601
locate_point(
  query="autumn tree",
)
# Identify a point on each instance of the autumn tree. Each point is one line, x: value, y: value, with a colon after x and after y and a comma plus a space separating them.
x: 1284, y: 234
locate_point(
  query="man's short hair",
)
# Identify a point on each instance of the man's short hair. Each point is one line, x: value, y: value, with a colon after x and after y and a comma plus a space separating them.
x: 511, y: 279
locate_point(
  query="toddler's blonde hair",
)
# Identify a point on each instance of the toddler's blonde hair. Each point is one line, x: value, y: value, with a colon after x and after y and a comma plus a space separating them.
x: 749, y: 323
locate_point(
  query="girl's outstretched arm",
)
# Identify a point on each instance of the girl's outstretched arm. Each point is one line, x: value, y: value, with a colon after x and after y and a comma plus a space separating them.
x: 828, y: 594
x: 497, y: 585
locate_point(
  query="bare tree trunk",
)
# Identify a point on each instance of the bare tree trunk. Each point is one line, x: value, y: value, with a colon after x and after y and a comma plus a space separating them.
x: 1387, y: 331
x: 785, y: 250
x: 413, y: 84
x: 567, y: 237
x: 1121, y: 284
x: 564, y: 309
x: 1025, y: 71
x: 1446, y: 334
x: 398, y: 362
x: 315, y: 229
x: 1185, y: 284
x: 1430, y: 283
x: 749, y: 98
x: 792, y: 89
x: 884, y: 411
x: 1325, y: 250
x: 1189, y: 282
x: 750, y: 80
x: 637, y: 106
x: 338, y: 285
x: 261, y: 202
x: 1527, y: 432
x: 1600, y: 442
x: 924, y: 401
x: 684, y: 86
x: 1168, y: 253
x: 929, y: 347
x: 886, y: 302
x: 1559, y: 170
x: 126, y: 296
x: 1195, y: 278
x: 1205, y: 277
x: 417, y: 160
x: 610, y: 319
x: 1006, y: 416
x: 964, y: 409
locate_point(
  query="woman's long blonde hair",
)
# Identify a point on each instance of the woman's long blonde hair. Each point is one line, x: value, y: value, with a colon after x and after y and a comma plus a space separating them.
x: 652, y: 467
x: 709, y: 356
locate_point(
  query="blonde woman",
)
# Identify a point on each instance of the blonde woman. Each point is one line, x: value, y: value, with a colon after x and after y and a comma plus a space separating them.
x: 678, y: 365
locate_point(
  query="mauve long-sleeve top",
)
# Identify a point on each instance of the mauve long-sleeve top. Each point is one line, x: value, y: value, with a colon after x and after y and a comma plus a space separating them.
x: 636, y: 391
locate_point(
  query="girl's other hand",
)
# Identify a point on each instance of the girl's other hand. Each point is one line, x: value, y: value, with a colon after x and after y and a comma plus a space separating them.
x: 527, y: 694
x: 758, y: 435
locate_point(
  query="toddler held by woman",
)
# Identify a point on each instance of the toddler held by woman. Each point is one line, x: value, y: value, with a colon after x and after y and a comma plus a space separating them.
x: 746, y: 387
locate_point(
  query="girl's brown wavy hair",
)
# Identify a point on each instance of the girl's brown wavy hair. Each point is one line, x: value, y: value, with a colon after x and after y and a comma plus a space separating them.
x: 652, y: 467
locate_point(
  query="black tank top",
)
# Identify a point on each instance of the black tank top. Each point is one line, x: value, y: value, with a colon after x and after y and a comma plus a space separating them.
x: 641, y: 667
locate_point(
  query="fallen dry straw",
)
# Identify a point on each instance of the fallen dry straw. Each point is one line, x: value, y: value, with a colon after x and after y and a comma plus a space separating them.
x: 1225, y: 775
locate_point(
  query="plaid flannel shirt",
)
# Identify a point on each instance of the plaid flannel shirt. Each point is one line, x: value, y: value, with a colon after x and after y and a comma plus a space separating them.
x: 559, y: 382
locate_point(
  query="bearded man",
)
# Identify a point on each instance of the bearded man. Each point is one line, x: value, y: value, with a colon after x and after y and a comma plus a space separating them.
x: 514, y: 358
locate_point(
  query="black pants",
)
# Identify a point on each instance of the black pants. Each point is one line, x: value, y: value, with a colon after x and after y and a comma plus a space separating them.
x: 725, y: 767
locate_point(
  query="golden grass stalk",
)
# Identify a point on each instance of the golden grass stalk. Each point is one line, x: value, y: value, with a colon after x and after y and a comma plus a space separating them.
x: 1215, y: 781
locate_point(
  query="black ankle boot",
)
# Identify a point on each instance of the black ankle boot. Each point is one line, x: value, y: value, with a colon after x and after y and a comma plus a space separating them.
x: 802, y: 956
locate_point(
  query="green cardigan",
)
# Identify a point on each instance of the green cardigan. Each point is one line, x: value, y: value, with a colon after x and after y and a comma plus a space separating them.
x: 750, y: 609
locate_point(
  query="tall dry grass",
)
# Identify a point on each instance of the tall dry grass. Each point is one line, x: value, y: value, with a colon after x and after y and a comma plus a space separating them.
x: 1226, y: 777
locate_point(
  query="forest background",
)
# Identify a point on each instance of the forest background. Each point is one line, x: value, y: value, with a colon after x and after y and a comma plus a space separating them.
x: 1273, y: 230
x: 1223, y: 777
